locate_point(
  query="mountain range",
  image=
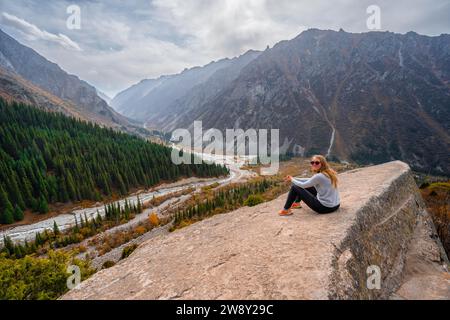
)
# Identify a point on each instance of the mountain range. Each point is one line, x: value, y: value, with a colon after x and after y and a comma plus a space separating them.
x: 28, y: 77
x: 150, y: 98
x: 365, y: 97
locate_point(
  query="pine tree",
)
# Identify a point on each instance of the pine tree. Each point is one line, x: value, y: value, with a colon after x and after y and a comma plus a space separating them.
x: 126, y: 210
x: 15, y: 191
x: 76, y: 222
x: 98, y: 218
x: 8, y: 245
x: 107, y: 214
x: 18, y: 213
x: 17, y: 251
x: 55, y: 228
x: 27, y: 248
x: 139, y: 205
x: 86, y: 220
x: 46, y: 236
x: 38, y: 239
x: 43, y: 206
x: 7, y: 216
x: 82, y: 224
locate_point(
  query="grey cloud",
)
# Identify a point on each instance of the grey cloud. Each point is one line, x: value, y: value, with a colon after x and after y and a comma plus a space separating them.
x: 34, y: 33
x: 126, y: 41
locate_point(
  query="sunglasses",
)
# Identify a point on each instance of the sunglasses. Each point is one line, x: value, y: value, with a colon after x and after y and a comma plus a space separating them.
x: 315, y: 163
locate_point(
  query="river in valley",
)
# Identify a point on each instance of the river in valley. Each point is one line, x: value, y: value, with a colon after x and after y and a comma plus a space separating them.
x: 67, y: 220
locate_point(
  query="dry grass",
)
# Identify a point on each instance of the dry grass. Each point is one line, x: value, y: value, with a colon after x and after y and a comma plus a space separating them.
x: 110, y: 241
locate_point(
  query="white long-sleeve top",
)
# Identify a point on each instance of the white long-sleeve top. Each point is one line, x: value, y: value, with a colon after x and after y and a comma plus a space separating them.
x: 326, y: 193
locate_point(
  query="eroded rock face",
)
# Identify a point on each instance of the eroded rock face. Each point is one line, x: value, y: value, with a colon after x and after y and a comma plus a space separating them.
x: 252, y: 253
x: 425, y: 275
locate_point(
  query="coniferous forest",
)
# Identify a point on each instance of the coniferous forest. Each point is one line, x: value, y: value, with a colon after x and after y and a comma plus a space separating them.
x: 47, y: 158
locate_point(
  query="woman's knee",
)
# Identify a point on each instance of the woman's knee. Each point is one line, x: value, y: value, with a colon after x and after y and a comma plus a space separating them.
x: 296, y: 188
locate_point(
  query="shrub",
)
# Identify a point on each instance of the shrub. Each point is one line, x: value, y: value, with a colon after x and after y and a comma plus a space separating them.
x: 108, y: 264
x: 424, y: 185
x: 38, y: 278
x: 253, y: 200
x: 437, y: 196
x: 128, y: 250
x: 211, y: 186
x: 82, y: 248
x: 85, y: 232
x: 104, y: 248
x: 154, y: 220
x: 140, y: 230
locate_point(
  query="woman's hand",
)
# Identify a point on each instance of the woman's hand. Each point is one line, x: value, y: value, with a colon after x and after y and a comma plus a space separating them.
x: 288, y: 178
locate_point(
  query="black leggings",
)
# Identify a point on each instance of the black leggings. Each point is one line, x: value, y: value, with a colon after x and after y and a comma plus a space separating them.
x: 309, y: 196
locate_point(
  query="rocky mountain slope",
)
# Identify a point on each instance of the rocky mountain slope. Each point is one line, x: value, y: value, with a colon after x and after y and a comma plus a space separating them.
x: 253, y: 253
x: 29, y: 77
x: 153, y: 100
x: 14, y: 88
x: 367, y: 97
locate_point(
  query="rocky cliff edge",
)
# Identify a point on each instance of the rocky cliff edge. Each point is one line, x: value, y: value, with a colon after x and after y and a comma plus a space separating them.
x: 381, y: 228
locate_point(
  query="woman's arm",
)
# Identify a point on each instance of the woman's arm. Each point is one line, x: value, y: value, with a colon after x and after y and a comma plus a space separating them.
x: 311, y: 182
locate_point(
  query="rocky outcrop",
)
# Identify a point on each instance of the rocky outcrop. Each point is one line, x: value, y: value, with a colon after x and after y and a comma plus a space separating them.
x: 252, y: 253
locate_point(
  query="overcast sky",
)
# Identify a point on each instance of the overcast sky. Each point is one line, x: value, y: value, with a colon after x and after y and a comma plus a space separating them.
x: 122, y: 42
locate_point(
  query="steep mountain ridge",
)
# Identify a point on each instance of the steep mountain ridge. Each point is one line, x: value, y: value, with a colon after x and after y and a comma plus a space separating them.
x: 25, y: 64
x: 164, y: 96
x: 350, y: 94
x: 367, y: 97
x: 14, y: 88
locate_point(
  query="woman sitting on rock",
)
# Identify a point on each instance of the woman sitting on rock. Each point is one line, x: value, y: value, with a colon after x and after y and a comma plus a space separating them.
x: 319, y: 192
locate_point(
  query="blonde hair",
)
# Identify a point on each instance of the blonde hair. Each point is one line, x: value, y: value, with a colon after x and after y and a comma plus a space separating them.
x: 326, y: 169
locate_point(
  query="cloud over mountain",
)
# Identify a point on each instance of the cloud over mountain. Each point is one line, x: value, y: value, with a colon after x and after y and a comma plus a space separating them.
x: 32, y: 32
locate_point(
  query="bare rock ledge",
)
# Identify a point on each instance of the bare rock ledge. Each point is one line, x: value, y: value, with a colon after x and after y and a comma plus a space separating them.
x: 252, y: 253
